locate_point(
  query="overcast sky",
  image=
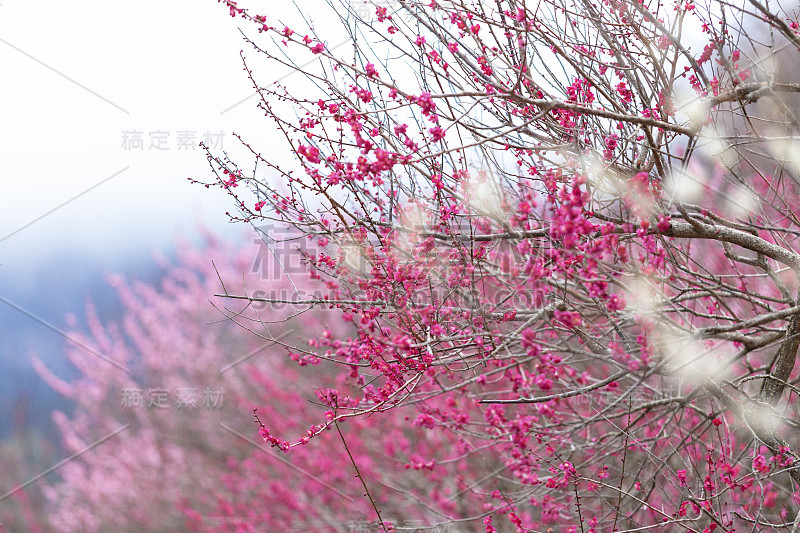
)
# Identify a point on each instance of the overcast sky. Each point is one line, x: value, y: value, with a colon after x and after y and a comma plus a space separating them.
x: 108, y: 100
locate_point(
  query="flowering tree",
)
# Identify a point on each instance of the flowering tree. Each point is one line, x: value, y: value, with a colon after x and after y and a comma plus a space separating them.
x: 161, y: 435
x: 565, y: 234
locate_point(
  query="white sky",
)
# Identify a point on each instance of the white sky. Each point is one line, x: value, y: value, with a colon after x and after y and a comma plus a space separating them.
x: 77, y: 76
